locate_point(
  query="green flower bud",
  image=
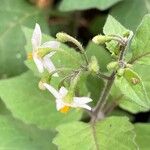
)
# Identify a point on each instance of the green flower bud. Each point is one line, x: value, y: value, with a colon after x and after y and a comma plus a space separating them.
x: 120, y: 72
x: 101, y: 39
x: 129, y: 65
x: 112, y: 65
x: 93, y: 65
x: 62, y: 37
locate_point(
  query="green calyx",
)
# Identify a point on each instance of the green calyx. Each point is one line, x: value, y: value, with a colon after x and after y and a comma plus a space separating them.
x: 46, y: 77
x: 43, y: 52
x: 69, y: 97
x: 93, y: 66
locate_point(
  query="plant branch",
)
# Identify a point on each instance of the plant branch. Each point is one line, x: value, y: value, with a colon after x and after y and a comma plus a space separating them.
x: 97, y: 112
x: 103, y: 99
x: 100, y: 75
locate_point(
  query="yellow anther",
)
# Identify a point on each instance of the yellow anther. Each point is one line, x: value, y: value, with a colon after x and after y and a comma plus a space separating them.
x: 65, y: 109
x: 30, y: 56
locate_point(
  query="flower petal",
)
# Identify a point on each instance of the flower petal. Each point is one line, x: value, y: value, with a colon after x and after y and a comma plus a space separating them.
x: 39, y: 64
x: 63, y: 91
x: 50, y: 54
x: 86, y: 107
x: 53, y: 91
x: 48, y: 64
x: 78, y: 105
x: 51, y: 44
x: 82, y: 100
x: 36, y: 37
x: 59, y: 104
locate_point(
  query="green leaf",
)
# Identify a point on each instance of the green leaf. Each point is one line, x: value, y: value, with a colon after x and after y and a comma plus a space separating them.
x: 61, y: 57
x: 143, y: 71
x: 3, y: 109
x: 97, y: 23
x: 113, y: 27
x: 110, y: 133
x: 13, y: 15
x: 18, y: 136
x: 31, y: 105
x: 141, y: 43
x: 142, y: 135
x: 125, y: 102
x: 69, y: 5
x: 126, y: 12
x: 131, y: 85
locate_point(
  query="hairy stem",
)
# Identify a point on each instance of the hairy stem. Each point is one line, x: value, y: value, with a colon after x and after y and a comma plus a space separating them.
x: 97, y: 112
x: 103, y: 99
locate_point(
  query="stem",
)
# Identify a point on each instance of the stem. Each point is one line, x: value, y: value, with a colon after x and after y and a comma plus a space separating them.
x: 100, y: 75
x: 97, y: 112
x: 103, y: 99
x: 114, y: 104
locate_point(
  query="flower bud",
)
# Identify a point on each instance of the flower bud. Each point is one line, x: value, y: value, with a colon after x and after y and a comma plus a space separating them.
x: 120, y: 72
x: 93, y: 65
x: 62, y: 37
x: 129, y: 66
x: 112, y: 65
x: 101, y: 39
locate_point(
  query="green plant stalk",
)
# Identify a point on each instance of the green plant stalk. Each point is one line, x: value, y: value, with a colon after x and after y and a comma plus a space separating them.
x: 97, y: 113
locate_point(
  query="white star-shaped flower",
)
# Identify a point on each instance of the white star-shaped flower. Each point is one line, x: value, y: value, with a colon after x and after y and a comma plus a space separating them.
x: 45, y: 62
x: 62, y: 105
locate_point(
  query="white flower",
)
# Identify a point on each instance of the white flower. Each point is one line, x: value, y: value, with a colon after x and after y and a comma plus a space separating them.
x: 64, y: 106
x: 45, y: 62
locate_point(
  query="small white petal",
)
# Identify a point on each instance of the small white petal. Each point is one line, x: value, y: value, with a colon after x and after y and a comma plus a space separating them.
x: 50, y: 54
x: 82, y: 100
x: 86, y: 107
x: 59, y: 104
x: 51, y: 44
x: 36, y: 37
x: 63, y: 91
x: 53, y: 91
x: 48, y: 64
x: 76, y: 105
x: 39, y: 64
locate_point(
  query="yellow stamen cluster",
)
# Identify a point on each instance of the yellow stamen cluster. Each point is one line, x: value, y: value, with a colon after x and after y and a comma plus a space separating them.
x: 65, y: 109
x: 30, y: 56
